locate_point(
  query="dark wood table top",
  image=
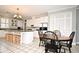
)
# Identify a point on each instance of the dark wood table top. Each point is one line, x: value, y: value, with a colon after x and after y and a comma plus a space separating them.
x: 62, y: 38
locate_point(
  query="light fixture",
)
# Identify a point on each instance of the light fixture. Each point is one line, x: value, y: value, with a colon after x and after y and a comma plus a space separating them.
x: 17, y: 15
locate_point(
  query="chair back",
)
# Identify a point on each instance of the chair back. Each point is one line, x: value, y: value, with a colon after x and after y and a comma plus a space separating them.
x: 40, y: 33
x: 71, y: 38
x: 72, y: 35
x: 50, y: 35
x: 57, y: 32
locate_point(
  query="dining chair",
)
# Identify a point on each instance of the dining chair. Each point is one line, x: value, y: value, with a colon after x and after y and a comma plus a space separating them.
x: 57, y: 32
x: 50, y: 42
x: 68, y: 44
x: 40, y: 33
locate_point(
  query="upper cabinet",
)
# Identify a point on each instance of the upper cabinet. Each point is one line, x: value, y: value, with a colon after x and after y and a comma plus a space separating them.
x: 14, y: 23
x: 37, y: 21
x: 7, y: 23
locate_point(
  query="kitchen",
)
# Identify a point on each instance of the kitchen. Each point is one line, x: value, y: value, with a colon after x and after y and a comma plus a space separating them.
x: 20, y: 24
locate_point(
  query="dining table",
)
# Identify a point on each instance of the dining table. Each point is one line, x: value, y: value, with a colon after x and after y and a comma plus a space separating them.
x: 59, y: 40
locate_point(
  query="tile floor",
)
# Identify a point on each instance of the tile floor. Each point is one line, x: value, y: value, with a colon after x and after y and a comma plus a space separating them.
x: 6, y: 47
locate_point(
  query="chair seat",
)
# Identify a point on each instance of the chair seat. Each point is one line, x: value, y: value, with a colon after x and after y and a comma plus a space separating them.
x: 53, y: 47
x: 66, y: 45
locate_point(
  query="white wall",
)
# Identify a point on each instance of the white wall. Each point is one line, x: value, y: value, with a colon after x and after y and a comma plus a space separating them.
x: 74, y: 24
x: 77, y: 25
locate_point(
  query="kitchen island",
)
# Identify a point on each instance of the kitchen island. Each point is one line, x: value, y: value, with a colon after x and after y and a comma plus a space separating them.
x: 19, y: 37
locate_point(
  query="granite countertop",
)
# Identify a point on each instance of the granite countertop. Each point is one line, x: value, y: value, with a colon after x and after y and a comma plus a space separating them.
x: 17, y: 30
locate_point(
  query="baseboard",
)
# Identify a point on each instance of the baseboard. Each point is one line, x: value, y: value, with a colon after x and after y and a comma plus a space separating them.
x: 2, y: 37
x: 36, y: 37
x: 77, y: 43
x: 73, y: 43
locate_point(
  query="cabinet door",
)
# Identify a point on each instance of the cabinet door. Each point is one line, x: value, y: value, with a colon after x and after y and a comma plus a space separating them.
x: 16, y: 39
x: 9, y: 37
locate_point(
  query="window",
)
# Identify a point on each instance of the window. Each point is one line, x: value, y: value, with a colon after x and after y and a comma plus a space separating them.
x: 4, y: 23
x: 61, y: 21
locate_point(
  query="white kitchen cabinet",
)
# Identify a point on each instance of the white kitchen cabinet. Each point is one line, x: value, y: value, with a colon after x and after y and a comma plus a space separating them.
x: 26, y: 37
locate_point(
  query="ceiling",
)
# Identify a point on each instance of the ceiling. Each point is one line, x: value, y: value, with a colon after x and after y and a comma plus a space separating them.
x: 30, y: 10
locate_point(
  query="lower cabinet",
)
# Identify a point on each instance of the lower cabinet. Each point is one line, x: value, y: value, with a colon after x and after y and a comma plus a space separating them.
x: 9, y: 37
x: 13, y: 38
